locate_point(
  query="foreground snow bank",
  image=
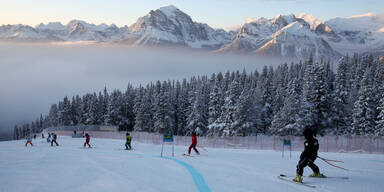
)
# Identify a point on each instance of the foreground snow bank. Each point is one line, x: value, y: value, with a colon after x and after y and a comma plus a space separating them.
x: 107, y: 167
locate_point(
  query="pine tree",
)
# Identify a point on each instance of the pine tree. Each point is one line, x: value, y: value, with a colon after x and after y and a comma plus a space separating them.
x: 223, y: 125
x: 286, y: 121
x: 16, y: 135
x: 215, y: 103
x: 163, y: 115
x: 341, y: 106
x: 380, y: 118
x: 54, y: 116
x: 143, y: 111
x: 364, y: 110
x: 243, y: 123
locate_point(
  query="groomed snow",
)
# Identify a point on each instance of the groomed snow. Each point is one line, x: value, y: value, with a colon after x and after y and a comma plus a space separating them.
x: 109, y: 168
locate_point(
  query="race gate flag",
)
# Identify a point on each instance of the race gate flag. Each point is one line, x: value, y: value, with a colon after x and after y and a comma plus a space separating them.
x: 288, y: 143
x: 168, y: 137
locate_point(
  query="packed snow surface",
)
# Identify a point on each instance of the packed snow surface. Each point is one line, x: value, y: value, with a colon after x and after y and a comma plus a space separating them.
x: 107, y: 167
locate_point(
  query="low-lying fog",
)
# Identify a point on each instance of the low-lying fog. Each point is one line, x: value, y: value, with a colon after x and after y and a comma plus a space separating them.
x: 33, y: 76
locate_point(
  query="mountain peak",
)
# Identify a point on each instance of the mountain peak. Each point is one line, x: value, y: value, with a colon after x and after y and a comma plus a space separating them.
x: 169, y: 10
x: 310, y: 19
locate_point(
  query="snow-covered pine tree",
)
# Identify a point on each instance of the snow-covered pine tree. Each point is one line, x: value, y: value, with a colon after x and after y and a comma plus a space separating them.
x: 309, y: 111
x: 243, y: 121
x: 364, y: 109
x: 342, y: 111
x: 16, y: 134
x: 54, y: 116
x: 379, y: 131
x: 182, y: 109
x: 222, y: 126
x: 198, y: 115
x: 143, y: 111
x: 215, y: 104
x: 265, y: 99
x: 163, y: 110
x: 65, y: 112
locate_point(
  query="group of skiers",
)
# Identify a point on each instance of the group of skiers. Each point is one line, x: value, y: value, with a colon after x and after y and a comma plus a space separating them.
x: 307, y: 157
x: 52, y: 138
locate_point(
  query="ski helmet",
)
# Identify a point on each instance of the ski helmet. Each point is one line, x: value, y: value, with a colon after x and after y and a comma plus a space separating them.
x: 308, y: 133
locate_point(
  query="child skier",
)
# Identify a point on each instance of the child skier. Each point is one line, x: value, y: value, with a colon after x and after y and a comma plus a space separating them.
x: 87, y: 139
x: 29, y: 140
x: 193, y: 145
x: 128, y: 142
x: 54, y: 137
x: 49, y: 137
x: 308, y: 156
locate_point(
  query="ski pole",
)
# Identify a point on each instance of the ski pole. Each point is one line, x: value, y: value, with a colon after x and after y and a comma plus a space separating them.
x: 203, y: 148
x: 333, y: 164
x: 331, y: 160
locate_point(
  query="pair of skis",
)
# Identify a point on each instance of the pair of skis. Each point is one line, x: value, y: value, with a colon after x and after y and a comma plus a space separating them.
x: 289, y: 179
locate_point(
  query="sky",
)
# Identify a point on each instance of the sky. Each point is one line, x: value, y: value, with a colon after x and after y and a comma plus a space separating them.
x: 217, y: 13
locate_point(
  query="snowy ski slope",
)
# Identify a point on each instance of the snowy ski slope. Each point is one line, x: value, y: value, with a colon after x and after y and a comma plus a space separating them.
x: 107, y: 167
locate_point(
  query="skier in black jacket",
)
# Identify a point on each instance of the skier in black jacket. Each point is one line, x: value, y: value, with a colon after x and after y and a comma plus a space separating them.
x: 308, y: 156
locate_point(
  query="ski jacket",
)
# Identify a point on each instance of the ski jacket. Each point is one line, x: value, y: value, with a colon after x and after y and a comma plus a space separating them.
x: 311, y: 146
x: 194, y: 139
x: 87, y: 138
x: 54, y: 137
x: 129, y: 138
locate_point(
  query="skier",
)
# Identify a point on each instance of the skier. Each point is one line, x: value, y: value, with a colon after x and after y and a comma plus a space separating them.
x: 308, y: 156
x: 87, y: 139
x: 42, y: 135
x: 193, y: 145
x: 49, y: 137
x: 54, y: 137
x: 29, y: 140
x: 128, y: 142
x: 34, y: 136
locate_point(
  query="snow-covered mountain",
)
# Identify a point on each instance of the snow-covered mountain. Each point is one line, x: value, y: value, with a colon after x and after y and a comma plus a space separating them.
x: 170, y: 26
x: 359, y: 33
x: 284, y: 35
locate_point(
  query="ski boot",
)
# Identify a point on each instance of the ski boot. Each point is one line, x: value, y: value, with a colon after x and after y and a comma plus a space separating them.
x: 298, y: 178
x: 318, y: 175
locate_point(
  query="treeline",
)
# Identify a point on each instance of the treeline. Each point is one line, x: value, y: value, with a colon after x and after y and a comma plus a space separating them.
x: 282, y: 100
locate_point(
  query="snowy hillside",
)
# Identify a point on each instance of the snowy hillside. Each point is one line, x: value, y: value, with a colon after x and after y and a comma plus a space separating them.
x: 284, y: 35
x: 107, y: 167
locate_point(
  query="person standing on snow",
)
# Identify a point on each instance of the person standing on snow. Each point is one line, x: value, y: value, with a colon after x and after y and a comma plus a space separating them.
x: 29, y: 140
x: 49, y: 137
x: 193, y: 145
x: 308, y: 156
x: 42, y: 135
x: 128, y: 142
x: 87, y: 139
x: 54, y: 137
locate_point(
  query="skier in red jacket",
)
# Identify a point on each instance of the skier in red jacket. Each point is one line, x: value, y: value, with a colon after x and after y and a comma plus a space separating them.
x: 29, y: 140
x: 87, y: 139
x: 193, y: 145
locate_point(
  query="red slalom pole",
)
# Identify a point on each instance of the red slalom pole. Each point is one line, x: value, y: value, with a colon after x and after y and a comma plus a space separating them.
x: 325, y: 160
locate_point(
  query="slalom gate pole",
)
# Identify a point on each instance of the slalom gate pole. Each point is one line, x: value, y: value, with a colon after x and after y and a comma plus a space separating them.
x: 325, y: 160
